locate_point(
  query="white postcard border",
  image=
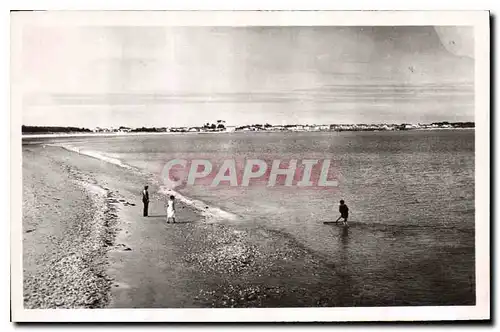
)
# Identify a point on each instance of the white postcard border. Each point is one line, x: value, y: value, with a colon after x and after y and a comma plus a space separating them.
x: 478, y: 19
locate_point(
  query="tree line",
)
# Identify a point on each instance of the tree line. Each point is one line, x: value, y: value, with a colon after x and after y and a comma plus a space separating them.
x: 49, y: 129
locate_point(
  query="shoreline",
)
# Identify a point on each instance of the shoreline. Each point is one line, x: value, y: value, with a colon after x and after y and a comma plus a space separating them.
x: 196, y: 262
x: 206, y: 210
x: 72, y: 135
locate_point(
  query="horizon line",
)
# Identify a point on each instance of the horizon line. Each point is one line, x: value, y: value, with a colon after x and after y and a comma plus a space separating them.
x: 253, y: 124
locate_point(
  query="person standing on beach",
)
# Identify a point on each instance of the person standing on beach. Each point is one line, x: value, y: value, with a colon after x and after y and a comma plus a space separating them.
x: 344, y: 212
x: 145, y: 200
x: 171, y: 209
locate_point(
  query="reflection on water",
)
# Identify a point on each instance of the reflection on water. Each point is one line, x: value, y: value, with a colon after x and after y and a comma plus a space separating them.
x: 344, y: 267
x: 345, y: 236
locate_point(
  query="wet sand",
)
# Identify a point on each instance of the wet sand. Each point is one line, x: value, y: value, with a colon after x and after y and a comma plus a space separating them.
x: 130, y: 261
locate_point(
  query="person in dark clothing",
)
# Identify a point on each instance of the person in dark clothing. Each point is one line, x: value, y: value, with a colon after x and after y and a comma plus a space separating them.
x: 145, y: 200
x: 344, y: 212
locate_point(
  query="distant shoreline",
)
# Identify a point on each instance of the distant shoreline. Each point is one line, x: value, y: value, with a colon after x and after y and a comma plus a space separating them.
x: 57, y: 135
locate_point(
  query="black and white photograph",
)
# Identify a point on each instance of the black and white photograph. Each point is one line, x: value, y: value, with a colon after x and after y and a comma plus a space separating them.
x: 318, y: 166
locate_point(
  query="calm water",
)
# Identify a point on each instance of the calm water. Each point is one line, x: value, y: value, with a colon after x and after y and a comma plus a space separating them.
x: 410, y: 195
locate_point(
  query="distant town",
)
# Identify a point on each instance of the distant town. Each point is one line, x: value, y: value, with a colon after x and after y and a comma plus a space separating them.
x: 221, y: 126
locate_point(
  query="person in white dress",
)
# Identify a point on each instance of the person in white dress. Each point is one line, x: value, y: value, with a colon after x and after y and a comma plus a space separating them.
x: 171, y: 209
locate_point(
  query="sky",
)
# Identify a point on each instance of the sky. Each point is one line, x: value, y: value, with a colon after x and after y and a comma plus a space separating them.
x: 187, y: 76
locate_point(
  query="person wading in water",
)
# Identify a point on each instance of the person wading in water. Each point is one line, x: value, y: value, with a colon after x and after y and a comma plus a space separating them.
x: 344, y: 212
x: 145, y: 200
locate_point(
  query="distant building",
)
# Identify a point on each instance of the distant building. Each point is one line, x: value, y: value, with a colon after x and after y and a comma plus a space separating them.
x: 124, y: 129
x: 296, y: 128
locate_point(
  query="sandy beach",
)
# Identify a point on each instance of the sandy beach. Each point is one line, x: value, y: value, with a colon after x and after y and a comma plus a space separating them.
x: 130, y: 261
x: 87, y: 245
x: 64, y: 235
